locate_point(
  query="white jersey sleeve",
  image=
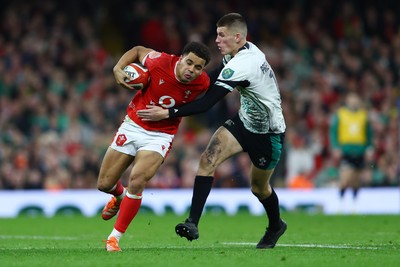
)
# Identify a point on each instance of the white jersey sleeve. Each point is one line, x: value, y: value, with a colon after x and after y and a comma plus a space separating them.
x: 260, y: 102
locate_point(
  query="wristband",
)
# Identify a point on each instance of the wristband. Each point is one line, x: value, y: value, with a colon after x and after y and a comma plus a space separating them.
x: 172, y: 112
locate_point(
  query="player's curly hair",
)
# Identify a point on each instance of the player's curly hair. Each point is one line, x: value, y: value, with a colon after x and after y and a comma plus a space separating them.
x: 199, y: 49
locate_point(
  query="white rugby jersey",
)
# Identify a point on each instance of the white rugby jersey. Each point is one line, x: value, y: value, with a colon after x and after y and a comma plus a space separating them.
x: 260, y: 102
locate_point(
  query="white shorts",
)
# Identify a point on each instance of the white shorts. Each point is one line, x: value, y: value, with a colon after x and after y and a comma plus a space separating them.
x: 130, y: 138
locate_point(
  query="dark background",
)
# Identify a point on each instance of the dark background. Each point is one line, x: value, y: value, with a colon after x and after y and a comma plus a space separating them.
x: 60, y: 105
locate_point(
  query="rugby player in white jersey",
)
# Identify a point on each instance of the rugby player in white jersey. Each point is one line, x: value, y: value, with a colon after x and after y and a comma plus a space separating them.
x: 257, y: 129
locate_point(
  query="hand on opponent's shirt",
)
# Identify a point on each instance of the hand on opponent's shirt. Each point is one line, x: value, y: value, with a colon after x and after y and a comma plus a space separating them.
x: 153, y: 113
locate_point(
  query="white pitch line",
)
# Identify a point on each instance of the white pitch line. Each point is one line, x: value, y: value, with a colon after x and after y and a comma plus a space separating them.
x: 37, y: 237
x: 344, y: 246
x: 306, y: 245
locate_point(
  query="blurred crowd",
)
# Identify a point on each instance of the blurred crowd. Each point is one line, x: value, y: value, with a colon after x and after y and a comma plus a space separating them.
x: 60, y: 105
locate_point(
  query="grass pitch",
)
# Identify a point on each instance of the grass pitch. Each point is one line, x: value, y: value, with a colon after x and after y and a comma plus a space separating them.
x: 311, y: 240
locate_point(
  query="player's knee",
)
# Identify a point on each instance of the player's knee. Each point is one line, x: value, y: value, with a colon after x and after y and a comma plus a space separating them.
x: 138, y: 182
x: 104, y: 186
x: 257, y: 193
x: 261, y: 192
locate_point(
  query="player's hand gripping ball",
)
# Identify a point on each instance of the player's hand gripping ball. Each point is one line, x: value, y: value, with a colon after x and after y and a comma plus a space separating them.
x: 139, y: 76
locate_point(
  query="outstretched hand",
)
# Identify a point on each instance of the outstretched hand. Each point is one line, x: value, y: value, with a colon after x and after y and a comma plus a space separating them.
x: 153, y: 113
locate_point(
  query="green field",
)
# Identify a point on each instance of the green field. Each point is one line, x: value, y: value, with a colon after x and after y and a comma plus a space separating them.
x: 311, y: 240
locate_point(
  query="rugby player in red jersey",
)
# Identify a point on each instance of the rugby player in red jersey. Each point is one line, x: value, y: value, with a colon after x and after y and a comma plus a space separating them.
x: 175, y: 80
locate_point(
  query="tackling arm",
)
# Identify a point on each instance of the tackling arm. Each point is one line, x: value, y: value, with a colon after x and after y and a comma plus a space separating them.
x: 211, y: 97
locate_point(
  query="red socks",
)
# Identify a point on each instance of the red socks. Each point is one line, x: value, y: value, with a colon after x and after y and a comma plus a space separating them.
x: 118, y: 190
x: 128, y: 209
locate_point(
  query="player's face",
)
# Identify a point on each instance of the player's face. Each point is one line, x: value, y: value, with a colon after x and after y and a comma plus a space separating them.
x: 226, y: 41
x: 353, y: 102
x: 189, y: 67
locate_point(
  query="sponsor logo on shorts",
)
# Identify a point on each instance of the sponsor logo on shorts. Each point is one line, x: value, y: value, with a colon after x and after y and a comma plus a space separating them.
x: 262, y: 161
x: 229, y: 122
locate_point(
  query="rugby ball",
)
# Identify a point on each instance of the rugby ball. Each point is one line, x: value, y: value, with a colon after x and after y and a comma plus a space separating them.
x: 139, y: 76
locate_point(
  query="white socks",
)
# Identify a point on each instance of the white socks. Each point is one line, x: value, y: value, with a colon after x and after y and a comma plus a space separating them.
x: 115, y: 233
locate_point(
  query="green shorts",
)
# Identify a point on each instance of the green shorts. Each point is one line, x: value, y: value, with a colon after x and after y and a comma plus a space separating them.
x: 264, y: 149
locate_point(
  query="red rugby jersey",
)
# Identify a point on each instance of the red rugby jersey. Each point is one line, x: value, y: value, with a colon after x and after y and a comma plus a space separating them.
x: 165, y: 90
